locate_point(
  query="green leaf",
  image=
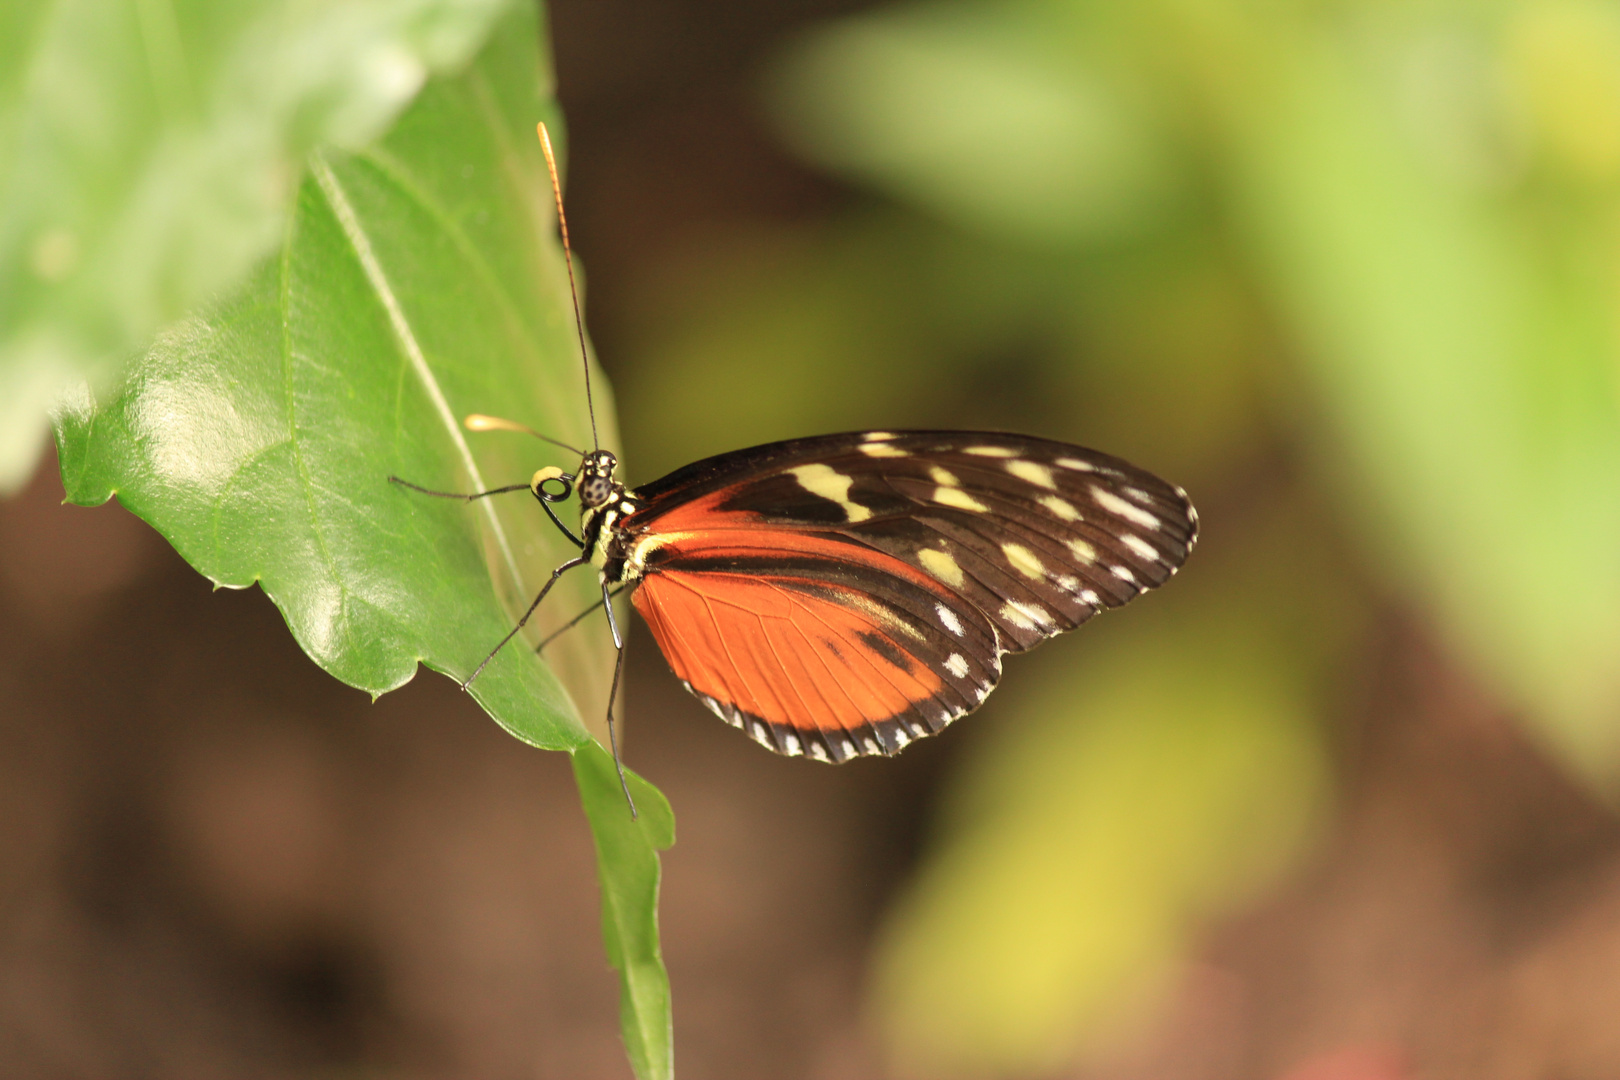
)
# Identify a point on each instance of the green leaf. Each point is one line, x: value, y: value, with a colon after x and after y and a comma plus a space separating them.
x: 149, y: 152
x: 417, y: 282
x: 630, y: 903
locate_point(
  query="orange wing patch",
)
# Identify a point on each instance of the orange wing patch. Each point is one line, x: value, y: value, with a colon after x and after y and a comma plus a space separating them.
x: 805, y: 667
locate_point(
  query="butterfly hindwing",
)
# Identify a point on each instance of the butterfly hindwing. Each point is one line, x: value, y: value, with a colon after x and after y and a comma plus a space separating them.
x: 911, y: 559
x: 795, y: 645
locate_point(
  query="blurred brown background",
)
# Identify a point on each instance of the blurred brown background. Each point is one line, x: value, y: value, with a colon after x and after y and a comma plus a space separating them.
x: 217, y: 861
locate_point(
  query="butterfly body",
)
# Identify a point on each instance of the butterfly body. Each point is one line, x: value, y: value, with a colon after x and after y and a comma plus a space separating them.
x: 845, y: 595
x: 603, y: 503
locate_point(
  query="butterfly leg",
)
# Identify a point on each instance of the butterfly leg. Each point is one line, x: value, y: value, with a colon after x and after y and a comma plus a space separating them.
x: 545, y: 504
x: 613, y: 694
x: 575, y: 621
x: 555, y: 574
x: 545, y: 501
x: 456, y: 494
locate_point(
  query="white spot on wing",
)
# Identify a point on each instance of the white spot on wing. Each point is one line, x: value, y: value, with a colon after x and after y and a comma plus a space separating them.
x: 1192, y: 511
x: 818, y: 751
x: 846, y: 747
x: 879, y: 436
x: 950, y: 496
x: 823, y: 480
x: 901, y: 738
x: 1039, y: 475
x: 1024, y: 561
x: 990, y: 451
x: 948, y: 619
x: 1123, y: 573
x: 761, y: 736
x: 957, y: 665
x: 1089, y: 597
x: 919, y: 730
x: 1027, y: 616
x: 1140, y: 546
x: 793, y: 747
x: 869, y: 746
x: 1063, y: 508
x: 1076, y: 464
x: 1116, y: 505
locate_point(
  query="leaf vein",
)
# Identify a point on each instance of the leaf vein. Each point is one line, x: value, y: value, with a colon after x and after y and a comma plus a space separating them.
x: 349, y: 221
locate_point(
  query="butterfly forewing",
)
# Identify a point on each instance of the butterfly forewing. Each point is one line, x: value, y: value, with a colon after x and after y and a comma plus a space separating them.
x: 845, y: 594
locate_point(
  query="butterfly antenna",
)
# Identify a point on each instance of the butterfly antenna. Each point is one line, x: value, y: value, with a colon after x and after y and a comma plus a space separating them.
x: 480, y: 422
x: 573, y: 290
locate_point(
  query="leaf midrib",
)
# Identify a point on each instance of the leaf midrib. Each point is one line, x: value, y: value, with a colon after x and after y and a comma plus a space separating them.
x: 383, y: 291
x: 397, y: 175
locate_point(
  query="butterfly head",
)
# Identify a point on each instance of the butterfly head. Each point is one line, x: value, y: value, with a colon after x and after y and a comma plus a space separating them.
x: 596, y: 484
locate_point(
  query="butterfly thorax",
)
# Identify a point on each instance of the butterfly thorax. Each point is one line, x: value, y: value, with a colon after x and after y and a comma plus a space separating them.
x: 604, y: 502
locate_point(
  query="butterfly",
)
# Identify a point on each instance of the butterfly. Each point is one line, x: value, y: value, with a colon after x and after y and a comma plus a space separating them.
x: 844, y: 595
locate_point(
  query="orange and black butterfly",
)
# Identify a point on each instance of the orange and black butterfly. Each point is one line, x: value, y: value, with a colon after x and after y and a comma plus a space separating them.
x: 845, y: 595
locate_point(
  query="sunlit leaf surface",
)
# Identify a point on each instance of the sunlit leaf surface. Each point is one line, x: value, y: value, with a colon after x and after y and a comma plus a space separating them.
x: 148, y: 154
x: 417, y: 282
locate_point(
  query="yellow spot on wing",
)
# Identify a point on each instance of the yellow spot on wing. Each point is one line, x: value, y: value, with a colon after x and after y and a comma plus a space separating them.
x: 942, y: 566
x: 1082, y: 550
x: 827, y: 482
x: 1061, y: 507
x: 1025, y: 561
x: 950, y: 496
x: 944, y: 477
x: 989, y: 451
x: 882, y: 449
x: 1036, y: 474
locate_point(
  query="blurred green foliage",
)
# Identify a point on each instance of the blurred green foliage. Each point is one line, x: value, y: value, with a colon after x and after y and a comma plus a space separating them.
x: 149, y: 152
x: 1351, y: 267
x: 1423, y: 196
x: 1158, y: 781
